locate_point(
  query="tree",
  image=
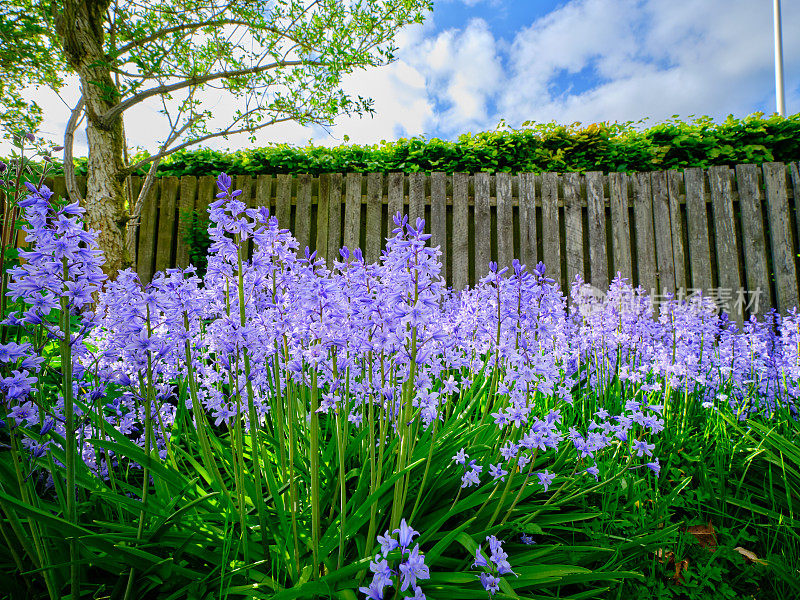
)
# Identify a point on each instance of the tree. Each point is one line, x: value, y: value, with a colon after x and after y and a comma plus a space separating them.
x: 283, y: 60
x: 24, y: 61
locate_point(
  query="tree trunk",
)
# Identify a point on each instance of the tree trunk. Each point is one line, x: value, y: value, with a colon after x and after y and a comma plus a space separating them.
x: 80, y: 27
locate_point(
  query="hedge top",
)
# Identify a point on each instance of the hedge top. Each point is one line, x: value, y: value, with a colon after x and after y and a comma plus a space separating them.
x: 607, y: 147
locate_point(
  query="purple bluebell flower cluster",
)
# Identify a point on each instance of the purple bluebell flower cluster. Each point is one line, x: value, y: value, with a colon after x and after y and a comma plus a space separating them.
x: 531, y: 446
x: 494, y: 567
x: 380, y: 352
x: 58, y: 276
x: 410, y: 569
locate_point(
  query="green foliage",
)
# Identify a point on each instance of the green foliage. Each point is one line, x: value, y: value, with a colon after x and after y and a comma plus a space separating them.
x: 26, y: 59
x: 608, y: 147
x: 742, y: 478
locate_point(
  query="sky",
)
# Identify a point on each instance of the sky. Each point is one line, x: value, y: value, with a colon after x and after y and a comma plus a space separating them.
x: 476, y: 63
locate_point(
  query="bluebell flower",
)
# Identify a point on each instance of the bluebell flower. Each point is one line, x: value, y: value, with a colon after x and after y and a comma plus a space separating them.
x: 387, y: 543
x: 47, y: 426
x: 545, y: 478
x: 407, y: 534
x: 412, y: 569
x: 18, y: 385
x: 490, y: 583
x: 509, y: 450
x: 418, y: 594
x: 38, y: 450
x: 643, y: 448
x: 480, y: 560
x: 26, y: 412
x: 449, y: 386
x: 224, y: 182
x: 374, y: 591
x: 654, y: 466
x: 499, y: 557
x: 12, y: 352
x: 500, y: 418
x: 471, y: 477
x: 497, y: 472
x: 383, y: 573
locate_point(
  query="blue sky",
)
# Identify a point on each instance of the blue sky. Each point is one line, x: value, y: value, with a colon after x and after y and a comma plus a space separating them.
x: 474, y: 63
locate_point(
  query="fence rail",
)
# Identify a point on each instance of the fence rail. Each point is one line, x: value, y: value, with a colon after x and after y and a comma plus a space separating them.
x: 731, y: 230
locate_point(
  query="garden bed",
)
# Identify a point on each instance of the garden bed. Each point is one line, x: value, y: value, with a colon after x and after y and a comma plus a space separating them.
x: 410, y: 441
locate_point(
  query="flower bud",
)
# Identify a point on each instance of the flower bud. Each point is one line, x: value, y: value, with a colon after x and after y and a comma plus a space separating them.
x: 47, y: 426
x: 3, y: 167
x: 30, y: 137
x: 58, y: 148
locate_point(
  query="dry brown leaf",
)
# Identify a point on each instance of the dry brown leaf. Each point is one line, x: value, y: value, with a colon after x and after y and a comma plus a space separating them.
x: 705, y: 535
x: 664, y: 556
x: 667, y: 557
x: 750, y: 556
x: 679, y: 567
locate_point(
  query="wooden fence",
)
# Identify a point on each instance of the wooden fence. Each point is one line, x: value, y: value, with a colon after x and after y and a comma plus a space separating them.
x: 723, y: 230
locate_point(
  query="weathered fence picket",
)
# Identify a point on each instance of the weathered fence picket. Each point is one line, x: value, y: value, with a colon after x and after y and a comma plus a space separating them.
x: 783, y: 251
x: 302, y: 228
x: 674, y: 180
x: 325, y: 221
x: 644, y: 235
x: 665, y: 258
x: 461, y: 249
x: 699, y: 248
x: 755, y: 248
x: 620, y: 223
x: 352, y: 210
x: 483, y: 229
x: 731, y: 232
x: 185, y: 210
x: 596, y: 209
x: 573, y: 226
x: 505, y: 230
x: 727, y: 248
x: 551, y: 242
x: 374, y: 199
x: 438, y: 227
x: 146, y: 251
x: 527, y: 219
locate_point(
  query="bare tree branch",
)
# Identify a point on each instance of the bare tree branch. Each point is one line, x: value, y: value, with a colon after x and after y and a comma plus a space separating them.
x: 136, y: 209
x: 227, y: 131
x: 193, y: 27
x: 69, y: 166
x: 118, y: 109
x: 118, y: 71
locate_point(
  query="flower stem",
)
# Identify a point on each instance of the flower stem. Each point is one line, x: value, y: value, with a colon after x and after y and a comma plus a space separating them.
x: 69, y: 409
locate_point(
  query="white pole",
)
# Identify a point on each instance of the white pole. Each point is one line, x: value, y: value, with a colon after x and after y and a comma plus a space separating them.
x: 779, y: 60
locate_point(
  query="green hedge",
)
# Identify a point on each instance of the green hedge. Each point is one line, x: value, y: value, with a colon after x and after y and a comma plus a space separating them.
x: 608, y: 147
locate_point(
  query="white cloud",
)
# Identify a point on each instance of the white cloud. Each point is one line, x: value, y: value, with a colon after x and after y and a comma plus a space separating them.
x: 464, y: 71
x: 401, y: 103
x: 651, y: 59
